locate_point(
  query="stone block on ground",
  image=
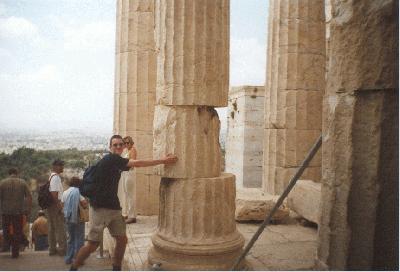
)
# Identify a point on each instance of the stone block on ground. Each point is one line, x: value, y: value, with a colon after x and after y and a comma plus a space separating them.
x: 305, y: 200
x: 279, y: 177
x: 254, y: 205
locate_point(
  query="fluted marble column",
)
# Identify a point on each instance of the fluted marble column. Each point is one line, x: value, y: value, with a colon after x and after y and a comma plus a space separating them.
x: 359, y: 227
x: 294, y: 89
x: 196, y: 228
x: 135, y: 91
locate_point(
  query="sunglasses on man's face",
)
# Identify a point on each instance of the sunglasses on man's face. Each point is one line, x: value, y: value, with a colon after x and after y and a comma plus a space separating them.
x: 118, y: 145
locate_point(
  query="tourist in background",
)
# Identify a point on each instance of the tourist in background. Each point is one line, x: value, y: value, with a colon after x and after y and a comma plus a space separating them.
x: 25, y: 243
x: 54, y: 213
x: 71, y: 199
x: 14, y: 193
x: 40, y: 231
x: 127, y: 184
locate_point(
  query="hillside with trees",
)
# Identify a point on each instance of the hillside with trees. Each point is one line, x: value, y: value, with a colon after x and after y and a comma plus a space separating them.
x: 34, y: 165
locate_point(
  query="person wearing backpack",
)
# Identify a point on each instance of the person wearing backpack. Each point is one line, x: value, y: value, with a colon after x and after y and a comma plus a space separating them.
x: 105, y: 209
x: 54, y: 213
x: 14, y: 193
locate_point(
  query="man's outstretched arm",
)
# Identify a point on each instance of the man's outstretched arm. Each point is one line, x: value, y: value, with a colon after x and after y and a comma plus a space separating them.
x: 169, y: 159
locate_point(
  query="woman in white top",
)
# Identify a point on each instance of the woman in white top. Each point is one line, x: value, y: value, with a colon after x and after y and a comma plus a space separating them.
x: 127, y: 184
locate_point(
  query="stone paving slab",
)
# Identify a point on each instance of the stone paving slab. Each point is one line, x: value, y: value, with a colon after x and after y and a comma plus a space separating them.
x: 41, y: 261
x: 139, y: 242
x: 280, y: 247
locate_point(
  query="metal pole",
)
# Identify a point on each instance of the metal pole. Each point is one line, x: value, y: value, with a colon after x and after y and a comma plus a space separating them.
x: 292, y: 183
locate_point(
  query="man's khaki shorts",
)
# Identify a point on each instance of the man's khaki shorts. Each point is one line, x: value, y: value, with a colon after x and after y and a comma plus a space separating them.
x: 100, y: 218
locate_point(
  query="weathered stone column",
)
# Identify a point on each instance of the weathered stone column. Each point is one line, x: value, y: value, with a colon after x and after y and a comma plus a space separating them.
x: 196, y: 228
x: 135, y: 88
x: 294, y: 89
x: 359, y: 223
x: 328, y: 18
x: 244, y: 140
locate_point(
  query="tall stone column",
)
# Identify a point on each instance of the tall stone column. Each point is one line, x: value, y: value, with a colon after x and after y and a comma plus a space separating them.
x: 196, y: 229
x: 135, y: 92
x: 360, y: 167
x: 294, y: 90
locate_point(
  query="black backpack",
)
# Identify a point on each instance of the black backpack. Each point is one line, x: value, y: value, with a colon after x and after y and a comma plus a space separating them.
x: 88, y: 185
x: 45, y: 199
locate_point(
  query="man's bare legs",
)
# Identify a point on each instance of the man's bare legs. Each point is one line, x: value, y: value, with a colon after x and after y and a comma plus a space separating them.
x: 90, y: 247
x: 120, y: 246
x: 84, y: 253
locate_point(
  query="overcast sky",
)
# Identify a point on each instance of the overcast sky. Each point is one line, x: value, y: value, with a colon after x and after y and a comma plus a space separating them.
x: 57, y: 60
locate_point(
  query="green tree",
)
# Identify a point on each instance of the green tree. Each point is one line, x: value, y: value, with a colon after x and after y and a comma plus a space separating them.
x: 36, y: 164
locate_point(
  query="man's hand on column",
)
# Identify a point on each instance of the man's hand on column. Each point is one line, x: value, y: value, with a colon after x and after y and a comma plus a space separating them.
x: 170, y: 159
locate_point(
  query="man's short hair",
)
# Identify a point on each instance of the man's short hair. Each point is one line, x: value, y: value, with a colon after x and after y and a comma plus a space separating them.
x: 116, y: 136
x: 13, y: 171
x: 58, y: 162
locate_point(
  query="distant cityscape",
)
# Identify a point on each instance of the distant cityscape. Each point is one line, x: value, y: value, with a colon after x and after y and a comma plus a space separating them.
x: 10, y: 141
x: 81, y: 140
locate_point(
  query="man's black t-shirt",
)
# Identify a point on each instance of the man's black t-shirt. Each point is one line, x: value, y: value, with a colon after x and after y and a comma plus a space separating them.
x: 108, y: 173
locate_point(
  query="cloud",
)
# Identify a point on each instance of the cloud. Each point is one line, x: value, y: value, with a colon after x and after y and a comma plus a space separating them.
x: 4, y: 53
x: 247, y: 62
x: 44, y: 98
x: 3, y: 9
x: 26, y: 95
x: 17, y: 28
x: 19, y: 31
x: 43, y: 75
x: 91, y: 36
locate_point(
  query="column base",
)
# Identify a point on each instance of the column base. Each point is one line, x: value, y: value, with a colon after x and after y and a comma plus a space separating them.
x: 171, y: 256
x: 320, y: 265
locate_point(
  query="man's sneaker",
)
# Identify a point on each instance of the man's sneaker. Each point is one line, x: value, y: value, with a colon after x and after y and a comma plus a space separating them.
x: 116, y: 268
x: 130, y: 221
